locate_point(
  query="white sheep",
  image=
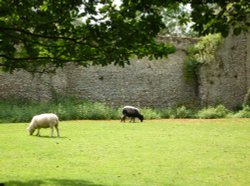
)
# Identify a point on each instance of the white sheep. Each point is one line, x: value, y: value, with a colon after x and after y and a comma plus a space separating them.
x: 44, y: 121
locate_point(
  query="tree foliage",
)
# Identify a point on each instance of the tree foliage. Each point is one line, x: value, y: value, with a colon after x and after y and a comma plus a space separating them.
x: 220, y: 16
x: 42, y: 35
x: 177, y: 20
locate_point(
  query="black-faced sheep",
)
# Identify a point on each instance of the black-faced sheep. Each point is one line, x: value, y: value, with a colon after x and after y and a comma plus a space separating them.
x: 132, y: 112
x: 44, y: 121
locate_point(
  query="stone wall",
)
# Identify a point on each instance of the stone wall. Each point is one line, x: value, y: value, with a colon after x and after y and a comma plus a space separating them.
x: 227, y: 79
x: 157, y: 83
x: 143, y: 83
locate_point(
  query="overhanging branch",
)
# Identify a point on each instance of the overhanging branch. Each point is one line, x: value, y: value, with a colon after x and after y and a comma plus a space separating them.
x: 2, y: 29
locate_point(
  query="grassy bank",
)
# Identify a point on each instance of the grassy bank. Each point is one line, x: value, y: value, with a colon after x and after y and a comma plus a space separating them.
x: 155, y: 152
x: 14, y: 110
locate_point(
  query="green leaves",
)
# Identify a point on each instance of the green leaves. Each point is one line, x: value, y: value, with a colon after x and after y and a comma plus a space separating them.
x: 43, y: 35
x: 219, y: 16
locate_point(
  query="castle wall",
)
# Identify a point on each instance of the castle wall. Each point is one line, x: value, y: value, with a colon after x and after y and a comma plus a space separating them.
x: 157, y: 83
x: 227, y: 79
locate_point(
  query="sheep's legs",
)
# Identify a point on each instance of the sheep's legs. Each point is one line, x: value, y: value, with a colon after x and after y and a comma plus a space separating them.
x: 123, y: 118
x: 52, y: 131
x: 57, y: 130
x: 132, y: 119
x: 38, y: 132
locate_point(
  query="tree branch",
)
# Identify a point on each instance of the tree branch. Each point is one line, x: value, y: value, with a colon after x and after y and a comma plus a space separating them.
x: 42, y: 58
x: 40, y: 35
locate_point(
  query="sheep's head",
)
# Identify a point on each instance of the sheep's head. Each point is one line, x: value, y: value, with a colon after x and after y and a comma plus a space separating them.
x: 31, y: 130
x: 141, y: 117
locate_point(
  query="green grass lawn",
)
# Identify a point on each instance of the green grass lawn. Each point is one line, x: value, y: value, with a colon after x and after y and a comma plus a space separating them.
x: 153, y: 153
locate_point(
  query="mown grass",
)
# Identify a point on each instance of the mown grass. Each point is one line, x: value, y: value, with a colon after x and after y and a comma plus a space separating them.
x: 155, y: 152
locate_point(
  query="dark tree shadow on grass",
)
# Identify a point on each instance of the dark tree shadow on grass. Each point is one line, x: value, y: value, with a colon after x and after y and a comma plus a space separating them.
x: 52, y: 182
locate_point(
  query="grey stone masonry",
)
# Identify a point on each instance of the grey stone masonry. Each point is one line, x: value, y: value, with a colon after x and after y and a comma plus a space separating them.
x: 157, y: 83
x: 227, y: 79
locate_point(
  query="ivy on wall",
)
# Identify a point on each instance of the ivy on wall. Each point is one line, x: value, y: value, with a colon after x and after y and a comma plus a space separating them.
x: 246, y: 101
x: 201, y: 53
